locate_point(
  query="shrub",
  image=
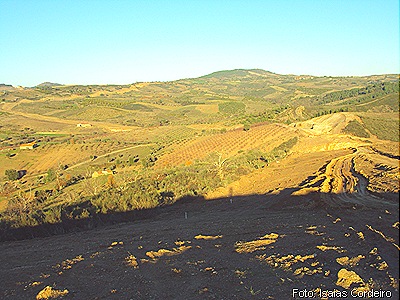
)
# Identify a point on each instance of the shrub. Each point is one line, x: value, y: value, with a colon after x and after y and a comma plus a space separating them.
x: 52, y: 215
x: 355, y: 128
x: 253, y: 159
x: 232, y: 108
x: 11, y: 174
x: 51, y: 175
x: 286, y: 146
x: 384, y: 129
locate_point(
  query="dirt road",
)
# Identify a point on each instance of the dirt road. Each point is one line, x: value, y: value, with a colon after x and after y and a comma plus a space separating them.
x: 340, y: 185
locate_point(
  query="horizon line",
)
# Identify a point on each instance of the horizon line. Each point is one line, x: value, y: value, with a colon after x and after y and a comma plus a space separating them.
x: 186, y: 78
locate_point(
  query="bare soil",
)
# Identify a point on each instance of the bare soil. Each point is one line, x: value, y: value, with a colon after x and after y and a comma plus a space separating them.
x: 308, y: 237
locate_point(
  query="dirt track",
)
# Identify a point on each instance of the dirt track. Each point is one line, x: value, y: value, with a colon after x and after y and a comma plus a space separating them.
x: 341, y: 185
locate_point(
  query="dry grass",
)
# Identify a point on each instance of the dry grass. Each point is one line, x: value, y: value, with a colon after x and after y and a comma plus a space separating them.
x: 284, y: 262
x: 382, y: 266
x: 251, y: 246
x: 335, y: 248
x: 347, y: 278
x: 165, y: 252
x: 68, y: 263
x: 49, y: 293
x: 207, y: 237
x: 113, y: 244
x: 51, y: 156
x: 132, y: 261
x: 300, y: 272
x: 272, y: 236
x: 388, y: 239
x: 346, y: 261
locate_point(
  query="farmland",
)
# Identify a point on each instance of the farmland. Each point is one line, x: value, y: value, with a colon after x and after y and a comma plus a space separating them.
x: 263, y: 137
x: 225, y: 112
x: 284, y: 143
x: 246, y: 119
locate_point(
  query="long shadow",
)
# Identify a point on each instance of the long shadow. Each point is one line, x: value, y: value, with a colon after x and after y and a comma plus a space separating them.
x: 284, y: 200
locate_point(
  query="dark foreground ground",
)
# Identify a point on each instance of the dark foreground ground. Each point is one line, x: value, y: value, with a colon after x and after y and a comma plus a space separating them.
x: 101, y: 263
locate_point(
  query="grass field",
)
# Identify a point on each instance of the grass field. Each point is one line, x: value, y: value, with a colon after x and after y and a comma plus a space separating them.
x: 384, y: 126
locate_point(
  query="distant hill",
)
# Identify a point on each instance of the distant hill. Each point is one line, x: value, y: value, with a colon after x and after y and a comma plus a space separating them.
x: 240, y: 96
x: 4, y: 86
x: 48, y: 84
x: 238, y: 73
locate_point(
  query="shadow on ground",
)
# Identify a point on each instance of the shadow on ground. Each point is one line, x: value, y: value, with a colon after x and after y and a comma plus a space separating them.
x: 255, y: 246
x: 188, y: 205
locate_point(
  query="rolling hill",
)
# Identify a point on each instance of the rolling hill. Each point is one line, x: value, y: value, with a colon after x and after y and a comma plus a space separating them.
x: 238, y: 176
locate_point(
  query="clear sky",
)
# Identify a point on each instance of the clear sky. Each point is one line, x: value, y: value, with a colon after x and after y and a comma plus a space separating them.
x: 99, y: 42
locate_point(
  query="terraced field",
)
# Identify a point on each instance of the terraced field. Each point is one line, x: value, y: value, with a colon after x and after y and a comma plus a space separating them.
x: 265, y: 137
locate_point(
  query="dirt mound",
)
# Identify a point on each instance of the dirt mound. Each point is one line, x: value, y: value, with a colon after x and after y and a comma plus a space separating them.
x: 328, y: 124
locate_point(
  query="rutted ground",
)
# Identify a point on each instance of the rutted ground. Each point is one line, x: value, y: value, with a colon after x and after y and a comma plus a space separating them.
x: 344, y: 183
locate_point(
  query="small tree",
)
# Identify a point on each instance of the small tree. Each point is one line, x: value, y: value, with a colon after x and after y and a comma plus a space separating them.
x: 12, y: 174
x: 110, y: 181
x: 219, y: 164
x: 51, y: 175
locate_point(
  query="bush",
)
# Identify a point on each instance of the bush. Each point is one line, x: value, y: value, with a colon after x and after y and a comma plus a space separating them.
x: 51, y: 175
x: 52, y: 215
x: 11, y: 174
x: 253, y: 159
x: 355, y: 128
x: 232, y: 108
x: 384, y: 129
x: 140, y: 194
x: 286, y: 146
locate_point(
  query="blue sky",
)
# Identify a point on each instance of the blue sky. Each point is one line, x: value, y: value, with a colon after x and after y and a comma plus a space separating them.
x: 99, y: 42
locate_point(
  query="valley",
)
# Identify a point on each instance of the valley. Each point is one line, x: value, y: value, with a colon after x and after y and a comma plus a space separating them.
x: 291, y: 179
